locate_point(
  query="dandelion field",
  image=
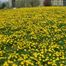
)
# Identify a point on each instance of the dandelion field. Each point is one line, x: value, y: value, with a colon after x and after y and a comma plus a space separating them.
x: 33, y: 36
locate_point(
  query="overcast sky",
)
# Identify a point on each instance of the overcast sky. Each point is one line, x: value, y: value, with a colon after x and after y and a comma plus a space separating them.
x: 3, y: 0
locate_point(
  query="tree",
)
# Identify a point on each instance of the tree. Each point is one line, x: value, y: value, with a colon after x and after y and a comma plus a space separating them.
x: 13, y: 3
x: 47, y: 2
x: 35, y: 3
x: 4, y: 5
x: 0, y: 5
x: 27, y: 3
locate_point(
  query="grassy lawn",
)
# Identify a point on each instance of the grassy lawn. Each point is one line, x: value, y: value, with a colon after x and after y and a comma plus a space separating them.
x: 33, y: 36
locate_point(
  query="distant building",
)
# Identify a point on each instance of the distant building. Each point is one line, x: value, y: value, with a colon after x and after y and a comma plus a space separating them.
x: 19, y: 3
x: 57, y: 2
x: 54, y: 2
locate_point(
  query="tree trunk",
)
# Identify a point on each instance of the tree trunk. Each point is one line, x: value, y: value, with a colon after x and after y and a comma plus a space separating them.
x: 13, y: 3
x: 47, y: 2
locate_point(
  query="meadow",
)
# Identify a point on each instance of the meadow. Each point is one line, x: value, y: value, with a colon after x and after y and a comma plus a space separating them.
x: 33, y: 36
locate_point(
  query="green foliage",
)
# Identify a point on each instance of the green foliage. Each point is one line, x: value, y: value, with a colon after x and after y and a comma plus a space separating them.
x: 27, y: 3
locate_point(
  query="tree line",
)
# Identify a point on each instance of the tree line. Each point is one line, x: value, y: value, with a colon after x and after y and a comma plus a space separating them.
x: 24, y: 3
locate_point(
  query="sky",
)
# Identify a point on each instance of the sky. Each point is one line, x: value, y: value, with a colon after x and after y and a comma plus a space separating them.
x: 3, y: 0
